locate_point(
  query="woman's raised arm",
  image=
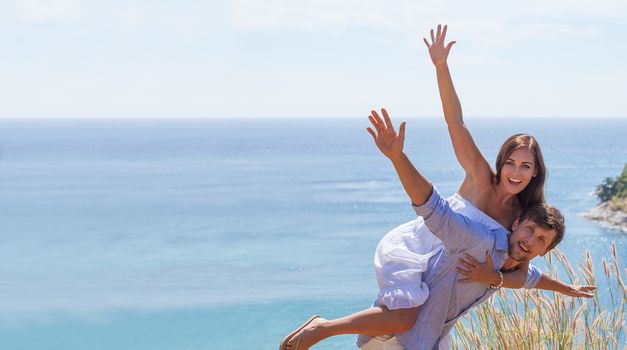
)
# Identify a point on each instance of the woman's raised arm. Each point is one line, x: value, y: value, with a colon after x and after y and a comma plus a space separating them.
x: 466, y: 151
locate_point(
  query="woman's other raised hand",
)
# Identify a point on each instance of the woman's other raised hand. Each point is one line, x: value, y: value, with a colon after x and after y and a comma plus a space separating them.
x: 437, y: 50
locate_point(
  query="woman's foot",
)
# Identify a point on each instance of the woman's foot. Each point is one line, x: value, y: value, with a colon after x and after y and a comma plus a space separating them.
x: 307, y: 336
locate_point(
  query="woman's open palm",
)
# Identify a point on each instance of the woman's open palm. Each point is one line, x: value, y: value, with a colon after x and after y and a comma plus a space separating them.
x: 437, y: 50
x: 387, y: 140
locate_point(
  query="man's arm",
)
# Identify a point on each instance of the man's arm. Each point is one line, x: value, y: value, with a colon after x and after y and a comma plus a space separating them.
x: 475, y: 271
x: 516, y: 278
x: 549, y: 283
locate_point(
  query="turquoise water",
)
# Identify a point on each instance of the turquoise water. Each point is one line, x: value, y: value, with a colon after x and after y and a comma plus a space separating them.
x: 226, y: 234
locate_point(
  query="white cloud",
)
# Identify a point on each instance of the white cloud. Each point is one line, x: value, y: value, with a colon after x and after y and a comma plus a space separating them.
x: 554, y: 31
x: 183, y: 20
x: 307, y: 15
x: 46, y: 10
x: 496, y: 21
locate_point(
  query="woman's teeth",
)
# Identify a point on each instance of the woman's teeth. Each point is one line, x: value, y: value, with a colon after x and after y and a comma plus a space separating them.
x: 523, y: 248
x: 514, y: 181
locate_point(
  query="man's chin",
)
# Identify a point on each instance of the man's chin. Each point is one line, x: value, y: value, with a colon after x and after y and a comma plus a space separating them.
x: 519, y: 258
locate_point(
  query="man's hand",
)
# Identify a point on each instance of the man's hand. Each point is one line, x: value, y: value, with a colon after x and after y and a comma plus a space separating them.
x: 386, y: 139
x: 474, y: 271
x: 437, y: 50
x: 580, y: 291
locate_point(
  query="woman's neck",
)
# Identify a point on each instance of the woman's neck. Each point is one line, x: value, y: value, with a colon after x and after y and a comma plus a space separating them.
x: 504, y: 198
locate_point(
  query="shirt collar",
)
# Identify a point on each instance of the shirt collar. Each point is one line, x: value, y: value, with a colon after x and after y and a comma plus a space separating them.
x: 501, y: 240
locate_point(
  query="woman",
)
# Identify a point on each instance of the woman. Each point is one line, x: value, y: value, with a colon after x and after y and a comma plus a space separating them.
x: 485, y: 196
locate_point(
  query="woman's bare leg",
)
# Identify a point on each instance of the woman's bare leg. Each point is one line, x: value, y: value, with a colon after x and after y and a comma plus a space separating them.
x: 374, y: 322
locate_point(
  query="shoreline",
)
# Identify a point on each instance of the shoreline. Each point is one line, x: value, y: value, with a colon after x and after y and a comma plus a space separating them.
x: 615, y: 219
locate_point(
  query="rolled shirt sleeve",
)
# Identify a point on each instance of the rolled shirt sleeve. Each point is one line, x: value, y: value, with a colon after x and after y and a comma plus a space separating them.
x: 456, y: 231
x: 533, y: 277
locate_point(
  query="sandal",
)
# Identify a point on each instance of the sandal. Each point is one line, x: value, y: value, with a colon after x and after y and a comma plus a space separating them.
x: 291, y: 335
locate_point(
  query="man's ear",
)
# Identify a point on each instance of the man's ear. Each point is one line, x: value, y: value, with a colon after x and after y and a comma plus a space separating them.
x: 515, y: 224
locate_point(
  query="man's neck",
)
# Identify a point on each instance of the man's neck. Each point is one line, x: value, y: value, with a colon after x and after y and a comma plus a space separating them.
x: 510, y: 264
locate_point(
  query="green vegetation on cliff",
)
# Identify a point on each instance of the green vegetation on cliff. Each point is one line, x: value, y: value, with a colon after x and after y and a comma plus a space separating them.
x: 614, y: 191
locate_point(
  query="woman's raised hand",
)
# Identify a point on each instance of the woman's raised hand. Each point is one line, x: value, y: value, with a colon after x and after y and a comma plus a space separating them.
x: 387, y: 140
x: 437, y: 50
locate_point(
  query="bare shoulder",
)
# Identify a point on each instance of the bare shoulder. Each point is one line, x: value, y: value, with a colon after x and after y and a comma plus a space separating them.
x: 478, y: 192
x: 479, y: 185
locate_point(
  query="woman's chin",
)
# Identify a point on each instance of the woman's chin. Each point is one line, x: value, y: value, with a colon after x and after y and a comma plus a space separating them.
x: 515, y: 191
x: 513, y: 188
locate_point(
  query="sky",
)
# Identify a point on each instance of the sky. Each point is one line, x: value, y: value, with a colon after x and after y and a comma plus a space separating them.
x: 308, y: 59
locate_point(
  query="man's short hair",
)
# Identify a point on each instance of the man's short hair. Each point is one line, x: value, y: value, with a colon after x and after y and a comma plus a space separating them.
x: 549, y: 218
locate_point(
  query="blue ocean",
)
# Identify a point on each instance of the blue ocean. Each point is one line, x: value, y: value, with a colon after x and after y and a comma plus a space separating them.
x: 227, y: 234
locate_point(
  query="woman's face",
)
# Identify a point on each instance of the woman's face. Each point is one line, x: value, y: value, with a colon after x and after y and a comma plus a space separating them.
x: 518, y: 170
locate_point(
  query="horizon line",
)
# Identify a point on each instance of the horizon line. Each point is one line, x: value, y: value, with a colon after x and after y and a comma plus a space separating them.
x: 242, y: 117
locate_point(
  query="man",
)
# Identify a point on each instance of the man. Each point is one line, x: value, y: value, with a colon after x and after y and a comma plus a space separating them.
x: 537, y: 230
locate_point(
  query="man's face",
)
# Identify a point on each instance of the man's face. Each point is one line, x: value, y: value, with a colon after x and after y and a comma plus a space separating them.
x: 529, y: 240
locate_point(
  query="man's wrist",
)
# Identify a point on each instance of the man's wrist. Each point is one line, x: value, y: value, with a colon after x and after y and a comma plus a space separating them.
x: 496, y: 279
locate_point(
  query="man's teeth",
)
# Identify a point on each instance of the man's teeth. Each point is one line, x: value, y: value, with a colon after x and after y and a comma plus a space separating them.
x: 523, y: 248
x: 514, y: 181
